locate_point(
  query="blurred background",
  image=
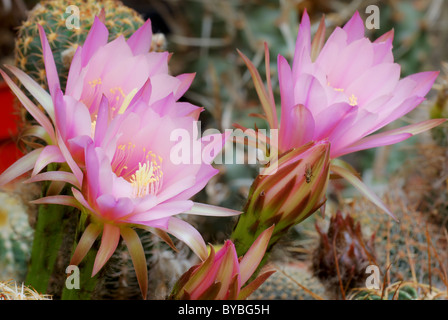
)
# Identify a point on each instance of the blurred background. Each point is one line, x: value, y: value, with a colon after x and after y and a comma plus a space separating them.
x: 203, y: 36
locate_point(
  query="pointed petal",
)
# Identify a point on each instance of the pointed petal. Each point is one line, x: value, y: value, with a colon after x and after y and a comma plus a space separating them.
x: 189, y: 235
x: 185, y: 82
x: 254, y: 255
x: 424, y: 80
x: 303, y: 45
x: 36, y: 131
x: 358, y: 184
x: 251, y: 287
x: 49, y: 154
x: 56, y: 176
x: 109, y: 242
x: 161, y: 234
x: 138, y: 258
x: 228, y: 269
x: 30, y: 106
x: 354, y: 28
x: 298, y: 129
x: 388, y: 36
x: 35, y: 89
x: 69, y: 159
x: 140, y: 41
x: 80, y: 198
x: 59, y: 199
x: 96, y: 38
x: 85, y: 243
x: 268, y: 107
x: 203, y: 276
x: 50, y: 65
x: 392, y: 136
x: 102, y: 120
x: 24, y: 164
x: 202, y: 209
x: 318, y: 40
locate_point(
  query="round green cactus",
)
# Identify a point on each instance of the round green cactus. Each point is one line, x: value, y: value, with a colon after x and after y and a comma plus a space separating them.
x: 15, y: 238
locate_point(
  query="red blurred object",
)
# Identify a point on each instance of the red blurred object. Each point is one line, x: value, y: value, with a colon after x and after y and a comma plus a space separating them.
x: 9, y: 119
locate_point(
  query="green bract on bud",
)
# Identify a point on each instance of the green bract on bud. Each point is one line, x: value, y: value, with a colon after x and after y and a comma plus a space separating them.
x: 286, y: 193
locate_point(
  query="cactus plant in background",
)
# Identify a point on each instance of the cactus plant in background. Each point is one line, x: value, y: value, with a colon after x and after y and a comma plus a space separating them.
x: 341, y: 258
x: 15, y: 238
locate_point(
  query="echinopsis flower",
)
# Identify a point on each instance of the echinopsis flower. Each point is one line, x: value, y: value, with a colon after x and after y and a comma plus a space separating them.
x: 287, y: 192
x: 344, y: 89
x: 223, y: 276
x: 132, y: 181
x: 111, y: 131
x: 116, y: 70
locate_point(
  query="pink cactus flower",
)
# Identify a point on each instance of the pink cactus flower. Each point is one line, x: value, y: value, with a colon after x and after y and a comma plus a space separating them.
x: 131, y: 181
x: 223, y: 276
x: 347, y: 90
x: 112, y: 133
x: 344, y: 90
x: 117, y: 70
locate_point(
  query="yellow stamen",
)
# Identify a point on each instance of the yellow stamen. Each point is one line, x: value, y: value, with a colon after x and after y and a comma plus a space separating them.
x: 353, y: 101
x: 127, y: 101
x: 95, y: 82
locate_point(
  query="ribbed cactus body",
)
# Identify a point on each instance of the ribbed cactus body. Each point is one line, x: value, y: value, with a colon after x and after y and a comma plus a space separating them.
x: 15, y: 238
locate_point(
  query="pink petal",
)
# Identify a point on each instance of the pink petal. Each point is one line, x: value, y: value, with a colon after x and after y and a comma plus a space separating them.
x: 162, y: 210
x: 34, y: 89
x: 202, y: 209
x: 386, y: 37
x: 113, y: 209
x: 424, y: 80
x: 56, y: 176
x: 109, y: 242
x: 354, y: 28
x: 50, y: 65
x: 228, y: 268
x: 69, y: 159
x: 48, y: 155
x: 254, y: 255
x: 140, y: 41
x: 393, y: 136
x: 30, y: 106
x: 74, y: 74
x: 185, y: 82
x: 59, y: 199
x: 189, y: 235
x: 303, y: 45
x: 96, y: 38
x: 24, y: 164
x: 298, y: 129
x: 85, y: 243
x: 137, y: 253
x: 330, y: 118
x: 364, y: 144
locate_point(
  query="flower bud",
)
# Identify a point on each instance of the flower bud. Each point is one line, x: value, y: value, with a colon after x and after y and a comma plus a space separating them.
x: 287, y: 192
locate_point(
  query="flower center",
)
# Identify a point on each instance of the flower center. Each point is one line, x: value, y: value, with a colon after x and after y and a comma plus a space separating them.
x: 352, y: 100
x: 147, y: 177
